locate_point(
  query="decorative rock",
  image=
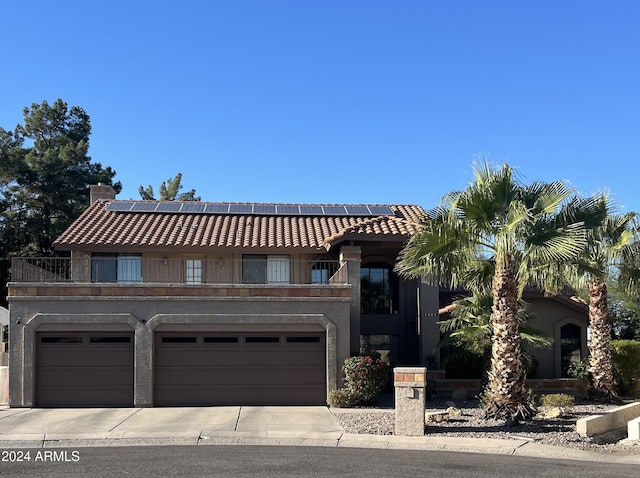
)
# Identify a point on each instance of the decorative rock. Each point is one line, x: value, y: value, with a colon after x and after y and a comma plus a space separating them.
x: 553, y: 412
x: 436, y: 417
x: 454, y: 412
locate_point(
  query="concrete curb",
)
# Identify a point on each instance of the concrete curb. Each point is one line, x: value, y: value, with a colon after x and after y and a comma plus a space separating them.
x: 448, y: 444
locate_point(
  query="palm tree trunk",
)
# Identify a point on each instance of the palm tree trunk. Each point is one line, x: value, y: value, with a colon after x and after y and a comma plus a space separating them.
x: 603, y: 382
x: 507, y: 394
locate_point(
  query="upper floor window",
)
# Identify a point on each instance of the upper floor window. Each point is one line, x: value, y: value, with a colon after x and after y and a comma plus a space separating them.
x: 378, y: 290
x: 116, y: 268
x: 266, y: 269
x: 319, y: 276
x: 193, y: 271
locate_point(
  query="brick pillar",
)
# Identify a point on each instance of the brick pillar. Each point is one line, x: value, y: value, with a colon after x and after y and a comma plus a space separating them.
x: 410, y: 387
x: 351, y: 255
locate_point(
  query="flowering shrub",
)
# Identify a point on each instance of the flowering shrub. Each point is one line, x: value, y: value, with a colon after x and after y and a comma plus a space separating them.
x: 364, y: 377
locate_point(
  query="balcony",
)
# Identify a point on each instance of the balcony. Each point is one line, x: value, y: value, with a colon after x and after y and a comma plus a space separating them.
x: 135, y: 269
x: 135, y: 276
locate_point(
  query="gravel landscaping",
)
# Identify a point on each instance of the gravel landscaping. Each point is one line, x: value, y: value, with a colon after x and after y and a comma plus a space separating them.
x: 466, y: 419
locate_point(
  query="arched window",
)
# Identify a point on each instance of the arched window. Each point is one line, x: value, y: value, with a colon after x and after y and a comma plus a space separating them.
x: 570, y: 347
x: 378, y: 290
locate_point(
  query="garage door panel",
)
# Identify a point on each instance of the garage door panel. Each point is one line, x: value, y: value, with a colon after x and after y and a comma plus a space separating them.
x: 68, y: 357
x: 273, y: 371
x: 84, y: 369
x: 173, y: 356
x: 104, y: 396
x: 83, y: 376
x: 244, y: 356
x: 235, y: 375
x: 201, y: 395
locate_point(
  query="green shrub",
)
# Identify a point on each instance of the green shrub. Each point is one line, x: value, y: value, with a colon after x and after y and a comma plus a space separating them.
x: 463, y: 363
x: 626, y: 362
x: 559, y: 400
x: 580, y: 370
x: 364, y: 377
x: 340, y: 398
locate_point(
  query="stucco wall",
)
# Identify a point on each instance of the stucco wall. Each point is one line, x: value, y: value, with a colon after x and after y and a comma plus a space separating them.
x: 29, y: 315
x: 547, y: 316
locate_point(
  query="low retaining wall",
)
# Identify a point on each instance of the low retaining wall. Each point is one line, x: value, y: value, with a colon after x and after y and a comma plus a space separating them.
x: 612, y: 420
x: 633, y: 429
x: 447, y: 387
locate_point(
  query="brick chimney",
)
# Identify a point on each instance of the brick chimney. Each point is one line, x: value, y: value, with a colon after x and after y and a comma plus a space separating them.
x: 101, y: 191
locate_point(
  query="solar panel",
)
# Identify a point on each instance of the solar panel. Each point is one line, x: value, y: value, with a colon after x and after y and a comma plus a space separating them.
x: 217, y: 208
x: 264, y: 208
x: 169, y: 207
x: 119, y: 205
x: 381, y: 211
x: 144, y: 206
x: 334, y: 210
x: 240, y: 208
x: 311, y: 210
x: 287, y: 209
x: 357, y: 210
x: 196, y: 207
x: 192, y: 207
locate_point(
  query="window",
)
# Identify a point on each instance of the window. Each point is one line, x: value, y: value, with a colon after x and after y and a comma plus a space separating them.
x: 319, y: 276
x: 379, y: 290
x: 265, y: 269
x: 220, y: 340
x: 384, y: 347
x: 570, y: 347
x: 262, y: 339
x: 193, y: 271
x: 104, y: 268
x: 110, y: 339
x: 61, y: 340
x: 129, y: 268
x: 177, y: 339
x: 304, y: 339
x: 116, y: 268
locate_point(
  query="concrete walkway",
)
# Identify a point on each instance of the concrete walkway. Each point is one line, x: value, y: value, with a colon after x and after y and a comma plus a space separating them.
x: 287, y: 426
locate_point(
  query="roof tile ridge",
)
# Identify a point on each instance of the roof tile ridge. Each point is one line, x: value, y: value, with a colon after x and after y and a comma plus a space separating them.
x: 364, y: 223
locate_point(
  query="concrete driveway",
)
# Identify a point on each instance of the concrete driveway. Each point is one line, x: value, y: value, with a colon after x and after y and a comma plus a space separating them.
x: 188, y: 424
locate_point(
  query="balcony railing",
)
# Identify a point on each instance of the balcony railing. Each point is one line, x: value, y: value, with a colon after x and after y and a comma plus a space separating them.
x: 131, y: 269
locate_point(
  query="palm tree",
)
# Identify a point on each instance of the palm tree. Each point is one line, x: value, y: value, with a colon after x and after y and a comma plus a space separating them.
x: 519, y: 230
x: 610, y: 254
x: 469, y: 325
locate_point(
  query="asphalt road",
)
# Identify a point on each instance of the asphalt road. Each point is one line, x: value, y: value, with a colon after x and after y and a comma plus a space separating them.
x: 272, y: 461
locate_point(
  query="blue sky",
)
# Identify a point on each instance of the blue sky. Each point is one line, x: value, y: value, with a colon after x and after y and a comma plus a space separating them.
x: 335, y: 101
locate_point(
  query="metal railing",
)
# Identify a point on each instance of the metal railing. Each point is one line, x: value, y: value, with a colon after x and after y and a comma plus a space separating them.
x: 132, y: 269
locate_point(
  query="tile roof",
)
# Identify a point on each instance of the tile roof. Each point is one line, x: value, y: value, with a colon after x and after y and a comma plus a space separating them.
x: 100, y: 229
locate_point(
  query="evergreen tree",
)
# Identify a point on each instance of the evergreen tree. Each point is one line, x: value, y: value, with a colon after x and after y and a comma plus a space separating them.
x: 45, y: 175
x: 169, y: 190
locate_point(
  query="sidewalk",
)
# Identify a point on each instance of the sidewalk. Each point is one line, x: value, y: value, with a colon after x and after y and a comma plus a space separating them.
x: 284, y: 426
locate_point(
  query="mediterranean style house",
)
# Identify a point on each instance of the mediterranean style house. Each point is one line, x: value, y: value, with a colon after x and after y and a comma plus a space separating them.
x: 203, y: 303
x: 197, y: 303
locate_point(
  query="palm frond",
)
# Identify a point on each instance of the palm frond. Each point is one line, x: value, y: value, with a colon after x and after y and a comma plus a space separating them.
x: 534, y: 338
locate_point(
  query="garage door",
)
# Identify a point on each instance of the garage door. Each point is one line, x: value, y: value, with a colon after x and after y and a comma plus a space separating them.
x: 239, y: 369
x: 84, y: 369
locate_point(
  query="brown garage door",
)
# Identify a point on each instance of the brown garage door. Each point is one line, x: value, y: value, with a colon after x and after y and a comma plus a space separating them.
x: 84, y: 369
x: 239, y: 369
